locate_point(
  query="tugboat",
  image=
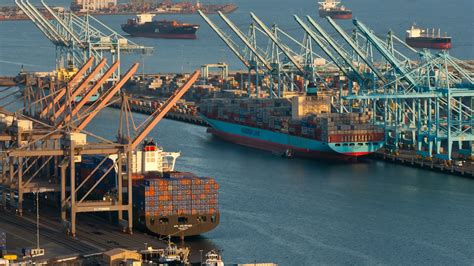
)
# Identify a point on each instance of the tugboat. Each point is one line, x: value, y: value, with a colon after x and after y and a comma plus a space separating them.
x: 144, y: 26
x: 173, y: 255
x: 213, y: 258
x: 419, y: 38
x: 331, y: 8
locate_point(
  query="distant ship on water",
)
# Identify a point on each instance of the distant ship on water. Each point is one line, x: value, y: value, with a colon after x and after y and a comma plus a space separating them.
x: 144, y: 26
x: 419, y: 38
x: 332, y: 8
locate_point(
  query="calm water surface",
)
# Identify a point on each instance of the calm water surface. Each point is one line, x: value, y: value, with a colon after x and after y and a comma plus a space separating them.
x: 22, y: 43
x: 305, y: 212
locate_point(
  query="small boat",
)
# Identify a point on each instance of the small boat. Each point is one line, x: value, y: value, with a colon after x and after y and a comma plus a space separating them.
x: 213, y: 258
x: 174, y: 255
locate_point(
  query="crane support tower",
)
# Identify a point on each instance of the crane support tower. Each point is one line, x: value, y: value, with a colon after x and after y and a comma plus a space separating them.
x: 78, y: 38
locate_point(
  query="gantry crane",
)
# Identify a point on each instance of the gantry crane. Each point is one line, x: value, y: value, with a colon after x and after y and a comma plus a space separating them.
x: 277, y: 61
x: 430, y: 101
x: 79, y: 38
x: 42, y: 155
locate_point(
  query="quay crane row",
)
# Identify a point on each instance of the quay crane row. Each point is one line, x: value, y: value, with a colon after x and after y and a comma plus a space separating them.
x: 78, y: 38
x: 40, y: 155
x: 426, y: 102
x: 278, y: 61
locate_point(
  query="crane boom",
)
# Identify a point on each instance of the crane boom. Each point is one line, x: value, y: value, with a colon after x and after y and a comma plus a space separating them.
x: 91, y: 92
x: 50, y: 32
x: 224, y: 38
x: 385, y: 52
x: 38, y: 23
x: 60, y: 21
x: 80, y: 88
x: 334, y: 45
x: 72, y: 82
x: 356, y: 48
x: 162, y: 111
x: 97, y: 106
x: 245, y: 41
x: 278, y: 43
x: 321, y: 44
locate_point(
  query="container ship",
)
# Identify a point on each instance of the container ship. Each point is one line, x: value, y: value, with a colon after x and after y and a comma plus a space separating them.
x: 332, y: 8
x: 419, y: 38
x: 144, y: 26
x: 302, y: 126
x: 166, y: 202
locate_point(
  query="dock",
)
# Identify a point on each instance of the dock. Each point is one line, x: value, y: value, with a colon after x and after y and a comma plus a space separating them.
x: 410, y: 158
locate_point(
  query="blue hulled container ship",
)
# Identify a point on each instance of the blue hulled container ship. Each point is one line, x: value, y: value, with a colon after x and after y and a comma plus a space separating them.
x: 302, y: 126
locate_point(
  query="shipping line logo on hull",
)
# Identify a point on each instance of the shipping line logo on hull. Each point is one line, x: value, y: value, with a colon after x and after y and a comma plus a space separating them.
x: 250, y: 132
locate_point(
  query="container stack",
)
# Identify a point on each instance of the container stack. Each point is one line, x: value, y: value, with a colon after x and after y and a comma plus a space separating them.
x: 345, y: 127
x: 272, y: 114
x: 150, y: 106
x: 180, y: 194
x: 312, y: 120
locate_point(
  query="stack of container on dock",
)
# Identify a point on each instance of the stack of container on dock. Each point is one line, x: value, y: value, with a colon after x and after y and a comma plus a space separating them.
x: 149, y: 106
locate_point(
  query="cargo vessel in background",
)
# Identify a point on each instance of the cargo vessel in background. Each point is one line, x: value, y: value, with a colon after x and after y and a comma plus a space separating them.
x: 333, y: 9
x: 420, y: 38
x: 144, y: 26
x: 301, y: 126
x: 165, y: 202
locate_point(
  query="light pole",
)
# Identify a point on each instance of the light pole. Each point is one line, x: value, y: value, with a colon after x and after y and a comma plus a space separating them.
x: 37, y: 222
x: 37, y: 251
x: 200, y: 252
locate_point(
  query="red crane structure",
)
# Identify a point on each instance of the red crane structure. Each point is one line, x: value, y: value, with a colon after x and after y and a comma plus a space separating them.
x: 41, y: 155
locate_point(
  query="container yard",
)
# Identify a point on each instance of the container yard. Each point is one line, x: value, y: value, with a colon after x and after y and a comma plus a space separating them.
x: 345, y: 129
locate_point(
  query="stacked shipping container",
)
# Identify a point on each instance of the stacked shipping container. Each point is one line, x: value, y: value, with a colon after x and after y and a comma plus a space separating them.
x: 278, y: 115
x: 180, y: 195
x: 181, y: 107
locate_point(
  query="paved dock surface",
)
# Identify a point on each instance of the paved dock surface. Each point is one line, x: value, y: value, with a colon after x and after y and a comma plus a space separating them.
x: 410, y: 158
x: 93, y: 235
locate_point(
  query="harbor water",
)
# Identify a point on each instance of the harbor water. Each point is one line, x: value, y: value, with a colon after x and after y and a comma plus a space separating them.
x: 307, y: 212
x: 295, y: 211
x: 23, y: 44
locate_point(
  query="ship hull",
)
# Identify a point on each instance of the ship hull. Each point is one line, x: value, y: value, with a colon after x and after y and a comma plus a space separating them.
x: 164, y: 35
x: 282, y: 143
x: 335, y: 14
x: 194, y: 225
x: 429, y: 43
x: 162, y: 30
x: 199, y: 214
